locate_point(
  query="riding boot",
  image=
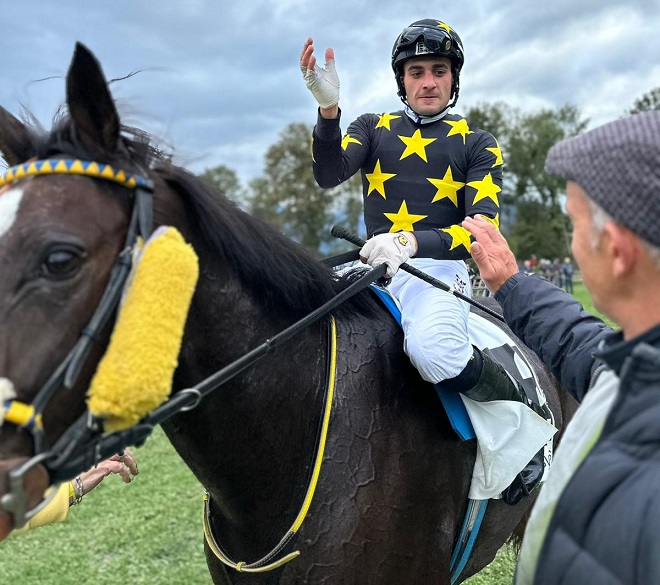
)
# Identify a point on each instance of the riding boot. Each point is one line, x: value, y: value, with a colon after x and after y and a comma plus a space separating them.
x: 495, y: 383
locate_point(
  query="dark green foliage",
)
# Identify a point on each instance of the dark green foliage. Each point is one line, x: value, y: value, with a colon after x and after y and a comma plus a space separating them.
x: 287, y: 196
x: 648, y: 102
x: 532, y: 200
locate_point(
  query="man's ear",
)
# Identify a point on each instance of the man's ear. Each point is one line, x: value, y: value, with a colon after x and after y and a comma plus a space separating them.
x: 624, y: 248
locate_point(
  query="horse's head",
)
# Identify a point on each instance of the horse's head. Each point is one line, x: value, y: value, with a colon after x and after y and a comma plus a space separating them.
x: 61, y: 233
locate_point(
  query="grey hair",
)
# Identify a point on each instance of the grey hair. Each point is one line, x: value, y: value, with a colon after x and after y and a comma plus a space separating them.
x: 599, y: 217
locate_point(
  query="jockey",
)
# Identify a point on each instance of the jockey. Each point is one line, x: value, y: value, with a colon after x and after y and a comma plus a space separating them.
x: 424, y: 170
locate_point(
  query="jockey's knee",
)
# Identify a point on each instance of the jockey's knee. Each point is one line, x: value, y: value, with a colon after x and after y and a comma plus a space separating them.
x: 438, y: 358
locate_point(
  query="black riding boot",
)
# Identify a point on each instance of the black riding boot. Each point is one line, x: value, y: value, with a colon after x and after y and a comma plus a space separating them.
x: 495, y: 384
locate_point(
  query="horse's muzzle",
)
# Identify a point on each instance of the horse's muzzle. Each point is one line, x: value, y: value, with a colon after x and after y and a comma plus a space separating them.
x: 35, y: 483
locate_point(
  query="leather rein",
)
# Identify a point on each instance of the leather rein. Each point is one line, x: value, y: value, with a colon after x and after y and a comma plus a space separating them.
x: 85, y: 444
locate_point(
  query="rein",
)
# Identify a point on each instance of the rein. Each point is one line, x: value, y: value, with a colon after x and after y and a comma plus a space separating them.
x: 29, y: 416
x: 84, y: 444
x: 267, y: 563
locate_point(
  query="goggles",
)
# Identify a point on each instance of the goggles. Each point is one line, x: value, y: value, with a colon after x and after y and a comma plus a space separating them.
x: 428, y: 40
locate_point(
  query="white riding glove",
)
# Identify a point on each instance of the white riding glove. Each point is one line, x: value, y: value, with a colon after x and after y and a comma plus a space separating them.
x: 323, y: 82
x: 391, y: 249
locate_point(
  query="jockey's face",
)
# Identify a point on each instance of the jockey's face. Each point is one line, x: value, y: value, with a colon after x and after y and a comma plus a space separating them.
x: 427, y: 81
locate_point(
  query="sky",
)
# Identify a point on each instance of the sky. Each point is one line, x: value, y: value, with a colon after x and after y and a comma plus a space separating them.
x: 219, y: 81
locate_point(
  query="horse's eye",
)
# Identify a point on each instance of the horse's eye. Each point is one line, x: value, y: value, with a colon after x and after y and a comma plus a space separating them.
x: 62, y: 263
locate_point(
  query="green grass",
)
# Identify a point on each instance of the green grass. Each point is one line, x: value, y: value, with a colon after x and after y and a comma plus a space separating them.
x: 145, y: 532
x: 148, y: 532
x: 581, y: 294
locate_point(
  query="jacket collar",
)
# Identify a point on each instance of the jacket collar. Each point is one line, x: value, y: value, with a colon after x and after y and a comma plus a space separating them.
x: 614, y: 349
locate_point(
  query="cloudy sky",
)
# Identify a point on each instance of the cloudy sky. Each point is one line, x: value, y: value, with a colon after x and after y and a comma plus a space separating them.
x: 220, y: 80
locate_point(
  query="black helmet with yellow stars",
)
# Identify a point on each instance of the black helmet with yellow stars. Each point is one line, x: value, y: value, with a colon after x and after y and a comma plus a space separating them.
x: 428, y: 37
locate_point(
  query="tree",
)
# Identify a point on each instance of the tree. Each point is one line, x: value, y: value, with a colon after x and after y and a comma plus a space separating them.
x: 288, y: 198
x: 530, y: 196
x: 227, y: 181
x: 540, y: 232
x: 650, y: 101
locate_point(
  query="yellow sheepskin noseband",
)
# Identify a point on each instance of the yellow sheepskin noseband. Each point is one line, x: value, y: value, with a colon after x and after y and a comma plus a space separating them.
x: 135, y: 374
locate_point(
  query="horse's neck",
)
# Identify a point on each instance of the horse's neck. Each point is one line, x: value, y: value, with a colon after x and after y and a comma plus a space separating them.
x: 257, y: 433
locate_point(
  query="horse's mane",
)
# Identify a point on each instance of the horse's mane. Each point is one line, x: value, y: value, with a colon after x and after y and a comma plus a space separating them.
x: 276, y: 271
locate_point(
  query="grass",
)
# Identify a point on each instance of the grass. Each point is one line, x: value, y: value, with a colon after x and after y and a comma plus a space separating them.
x: 148, y: 532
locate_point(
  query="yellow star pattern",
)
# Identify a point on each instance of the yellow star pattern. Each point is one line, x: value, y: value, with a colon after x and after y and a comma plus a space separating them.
x: 377, y: 180
x: 459, y: 127
x: 485, y: 188
x: 402, y: 220
x: 347, y: 140
x: 446, y: 187
x: 384, y: 121
x: 497, y: 151
x: 459, y: 237
x: 415, y: 144
x: 494, y: 220
x: 445, y: 26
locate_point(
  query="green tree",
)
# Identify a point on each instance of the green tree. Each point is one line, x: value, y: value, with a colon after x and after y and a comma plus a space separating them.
x: 497, y: 118
x: 538, y: 230
x: 227, y: 181
x: 648, y: 102
x: 287, y: 196
x: 531, y: 199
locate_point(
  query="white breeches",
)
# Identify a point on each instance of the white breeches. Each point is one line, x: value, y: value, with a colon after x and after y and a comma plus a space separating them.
x: 434, y: 321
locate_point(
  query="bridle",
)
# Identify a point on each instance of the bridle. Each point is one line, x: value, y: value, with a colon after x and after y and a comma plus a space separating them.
x: 29, y: 416
x: 84, y: 443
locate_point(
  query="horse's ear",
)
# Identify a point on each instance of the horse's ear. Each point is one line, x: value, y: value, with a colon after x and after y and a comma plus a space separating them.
x: 15, y: 142
x: 91, y: 106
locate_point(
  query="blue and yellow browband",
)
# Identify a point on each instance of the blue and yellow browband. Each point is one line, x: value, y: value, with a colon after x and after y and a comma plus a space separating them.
x: 74, y: 166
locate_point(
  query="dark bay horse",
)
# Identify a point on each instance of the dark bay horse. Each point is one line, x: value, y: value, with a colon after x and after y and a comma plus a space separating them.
x: 392, y: 489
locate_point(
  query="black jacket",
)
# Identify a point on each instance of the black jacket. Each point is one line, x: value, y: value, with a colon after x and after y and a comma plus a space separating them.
x: 606, y: 526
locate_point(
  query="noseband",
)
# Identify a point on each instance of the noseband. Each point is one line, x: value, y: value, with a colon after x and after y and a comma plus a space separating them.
x: 29, y: 416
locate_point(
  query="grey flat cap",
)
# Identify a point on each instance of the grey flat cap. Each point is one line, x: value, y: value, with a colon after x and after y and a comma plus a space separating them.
x: 618, y: 166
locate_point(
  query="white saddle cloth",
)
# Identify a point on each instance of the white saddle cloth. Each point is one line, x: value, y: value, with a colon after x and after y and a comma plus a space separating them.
x: 508, y: 433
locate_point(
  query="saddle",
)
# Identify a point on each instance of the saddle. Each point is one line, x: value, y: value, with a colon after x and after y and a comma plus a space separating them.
x: 508, y: 434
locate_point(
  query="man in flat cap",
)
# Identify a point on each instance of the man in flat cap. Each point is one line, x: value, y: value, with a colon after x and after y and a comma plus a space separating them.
x: 597, y: 518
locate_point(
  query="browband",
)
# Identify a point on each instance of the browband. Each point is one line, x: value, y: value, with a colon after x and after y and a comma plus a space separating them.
x: 74, y: 166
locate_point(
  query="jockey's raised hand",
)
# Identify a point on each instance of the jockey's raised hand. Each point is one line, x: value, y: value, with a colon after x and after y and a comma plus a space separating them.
x: 323, y: 82
x: 391, y: 249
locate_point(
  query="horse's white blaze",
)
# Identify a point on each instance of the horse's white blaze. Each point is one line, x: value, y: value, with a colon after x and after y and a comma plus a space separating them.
x: 7, y: 393
x: 10, y: 201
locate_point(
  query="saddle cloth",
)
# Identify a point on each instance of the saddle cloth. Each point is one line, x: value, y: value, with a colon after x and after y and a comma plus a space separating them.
x: 508, y: 433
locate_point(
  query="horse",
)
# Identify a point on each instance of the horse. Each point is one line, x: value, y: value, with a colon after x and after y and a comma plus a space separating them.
x: 391, y: 489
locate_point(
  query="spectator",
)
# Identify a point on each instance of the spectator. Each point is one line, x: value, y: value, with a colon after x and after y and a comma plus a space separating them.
x: 72, y: 492
x: 597, y: 518
x: 567, y: 274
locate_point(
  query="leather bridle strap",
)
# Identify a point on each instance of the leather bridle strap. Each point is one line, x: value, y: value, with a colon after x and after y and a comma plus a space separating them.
x: 66, y: 374
x: 81, y: 447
